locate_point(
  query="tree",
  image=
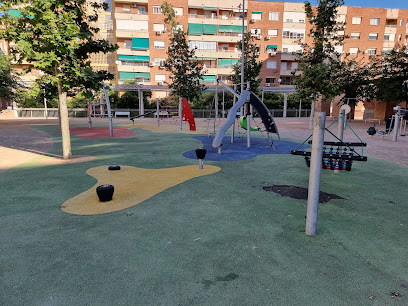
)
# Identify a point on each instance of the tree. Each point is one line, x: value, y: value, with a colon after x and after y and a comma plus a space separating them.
x: 391, y: 80
x: 320, y: 64
x: 181, y: 62
x: 55, y: 37
x: 9, y: 80
x: 252, y: 67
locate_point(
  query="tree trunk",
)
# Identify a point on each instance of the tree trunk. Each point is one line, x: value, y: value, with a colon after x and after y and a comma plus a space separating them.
x: 63, y: 112
x: 312, y: 112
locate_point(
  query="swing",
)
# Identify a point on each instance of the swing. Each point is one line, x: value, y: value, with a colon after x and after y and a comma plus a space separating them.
x: 337, y: 155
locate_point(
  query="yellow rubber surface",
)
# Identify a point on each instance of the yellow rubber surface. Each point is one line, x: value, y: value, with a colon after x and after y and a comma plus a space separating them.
x: 132, y: 186
x: 165, y: 128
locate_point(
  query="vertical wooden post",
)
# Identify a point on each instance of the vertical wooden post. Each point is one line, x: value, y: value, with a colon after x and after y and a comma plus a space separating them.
x: 315, y: 172
x: 285, y: 104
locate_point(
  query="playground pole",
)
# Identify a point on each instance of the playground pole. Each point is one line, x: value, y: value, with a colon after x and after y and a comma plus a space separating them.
x: 181, y: 112
x: 233, y: 126
x: 141, y: 105
x: 216, y: 102
x: 300, y: 108
x: 396, y: 127
x: 45, y: 107
x: 157, y: 111
x: 223, y: 103
x: 340, y: 130
x: 109, y: 109
x: 248, y: 120
x: 315, y: 171
x: 285, y: 104
x: 243, y: 47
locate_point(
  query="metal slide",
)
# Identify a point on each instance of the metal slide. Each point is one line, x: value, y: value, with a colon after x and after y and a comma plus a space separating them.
x: 230, y: 119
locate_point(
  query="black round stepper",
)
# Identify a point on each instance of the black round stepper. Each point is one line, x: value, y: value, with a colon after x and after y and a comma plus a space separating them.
x: 200, y: 153
x: 114, y: 168
x: 105, y: 192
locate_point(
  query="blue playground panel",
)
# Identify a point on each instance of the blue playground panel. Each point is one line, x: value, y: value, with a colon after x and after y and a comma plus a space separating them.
x: 239, y: 151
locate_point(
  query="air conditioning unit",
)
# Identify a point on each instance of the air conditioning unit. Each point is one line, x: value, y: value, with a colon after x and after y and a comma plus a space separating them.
x: 133, y: 5
x: 272, y: 53
x: 289, y: 20
x: 252, y: 20
x: 258, y: 36
x: 160, y: 83
x: 267, y: 84
x: 159, y: 32
x: 269, y: 36
x: 275, y: 70
x: 151, y: 64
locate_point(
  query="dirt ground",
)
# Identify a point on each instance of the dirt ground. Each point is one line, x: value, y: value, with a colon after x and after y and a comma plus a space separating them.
x: 20, y: 142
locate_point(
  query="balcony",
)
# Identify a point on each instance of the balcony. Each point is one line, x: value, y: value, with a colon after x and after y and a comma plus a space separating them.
x: 131, y: 16
x: 128, y: 68
x: 208, y: 19
x: 215, y: 54
x: 125, y: 51
x: 132, y: 33
x: 220, y: 38
x: 287, y: 56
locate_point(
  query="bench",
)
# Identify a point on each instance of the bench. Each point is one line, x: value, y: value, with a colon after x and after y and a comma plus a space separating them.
x: 122, y: 114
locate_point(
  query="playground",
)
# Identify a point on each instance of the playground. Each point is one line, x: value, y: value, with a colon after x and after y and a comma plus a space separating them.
x: 232, y: 233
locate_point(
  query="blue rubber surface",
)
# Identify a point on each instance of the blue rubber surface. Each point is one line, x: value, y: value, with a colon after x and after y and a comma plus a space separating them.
x: 238, y: 150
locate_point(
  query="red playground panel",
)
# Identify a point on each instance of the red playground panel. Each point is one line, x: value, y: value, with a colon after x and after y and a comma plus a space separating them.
x: 188, y: 114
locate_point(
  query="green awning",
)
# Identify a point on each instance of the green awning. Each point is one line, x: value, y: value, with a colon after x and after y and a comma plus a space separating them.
x: 126, y: 76
x: 227, y: 62
x: 142, y: 75
x: 210, y: 29
x: 238, y: 29
x: 195, y: 29
x: 133, y: 58
x: 224, y: 28
x: 206, y: 59
x: 272, y: 47
x: 210, y: 78
x: 256, y: 12
x: 140, y: 44
x: 209, y: 8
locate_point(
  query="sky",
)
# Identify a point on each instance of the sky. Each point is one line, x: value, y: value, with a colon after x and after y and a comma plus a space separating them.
x: 402, y: 4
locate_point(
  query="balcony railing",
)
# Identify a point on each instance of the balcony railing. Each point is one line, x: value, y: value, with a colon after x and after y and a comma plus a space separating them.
x: 144, y: 64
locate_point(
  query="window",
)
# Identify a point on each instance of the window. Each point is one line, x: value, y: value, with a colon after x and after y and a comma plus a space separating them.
x: 372, y: 36
x: 157, y: 9
x: 128, y: 44
x: 374, y: 21
x: 159, y: 44
x: 193, y: 13
x: 272, y: 33
x: 356, y: 20
x: 203, y: 45
x: 134, y: 25
x: 180, y: 27
x: 256, y: 32
x: 386, y: 50
x: 126, y: 8
x: 274, y: 16
x: 293, y: 33
x: 355, y: 35
x: 160, y: 77
x: 158, y: 61
x: 371, y: 51
x: 256, y: 15
x: 294, y: 17
x: 294, y: 65
x: 284, y: 66
x: 178, y: 11
x: 270, y: 80
x: 401, y: 22
x: 353, y: 51
x: 141, y: 10
x: 271, y: 65
x: 290, y: 48
x: 389, y: 37
x: 158, y: 27
x: 224, y: 15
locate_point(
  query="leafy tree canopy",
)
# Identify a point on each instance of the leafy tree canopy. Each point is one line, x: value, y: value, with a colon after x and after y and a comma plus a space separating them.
x: 252, y: 67
x: 9, y: 80
x: 181, y: 62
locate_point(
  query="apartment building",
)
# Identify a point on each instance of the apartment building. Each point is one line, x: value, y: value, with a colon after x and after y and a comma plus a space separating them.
x: 214, y: 27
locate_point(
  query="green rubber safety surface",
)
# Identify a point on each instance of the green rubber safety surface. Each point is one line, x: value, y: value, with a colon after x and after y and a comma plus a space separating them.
x: 219, y: 239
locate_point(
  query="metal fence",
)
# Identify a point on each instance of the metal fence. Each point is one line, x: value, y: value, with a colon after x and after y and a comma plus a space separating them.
x: 198, y: 113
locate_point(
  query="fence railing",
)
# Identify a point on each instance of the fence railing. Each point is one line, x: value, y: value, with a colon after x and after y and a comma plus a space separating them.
x: 198, y: 113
